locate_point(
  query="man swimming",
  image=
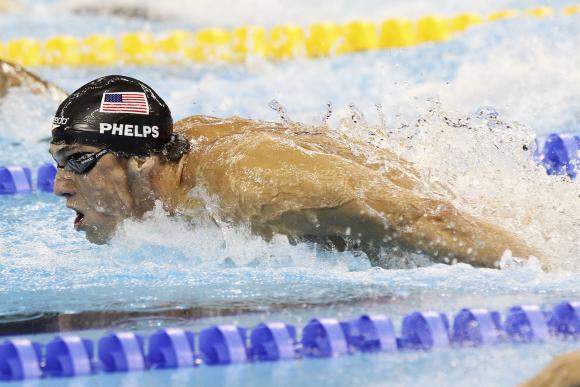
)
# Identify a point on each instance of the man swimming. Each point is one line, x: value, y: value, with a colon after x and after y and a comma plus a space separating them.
x: 563, y: 371
x: 118, y: 153
x: 13, y: 76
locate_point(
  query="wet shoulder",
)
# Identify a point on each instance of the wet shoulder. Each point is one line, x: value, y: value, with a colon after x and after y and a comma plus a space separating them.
x: 206, y: 128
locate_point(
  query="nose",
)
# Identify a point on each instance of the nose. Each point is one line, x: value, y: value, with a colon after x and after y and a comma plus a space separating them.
x: 63, y: 184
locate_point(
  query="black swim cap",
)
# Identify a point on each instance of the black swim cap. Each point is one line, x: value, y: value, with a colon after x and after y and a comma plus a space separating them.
x: 114, y: 112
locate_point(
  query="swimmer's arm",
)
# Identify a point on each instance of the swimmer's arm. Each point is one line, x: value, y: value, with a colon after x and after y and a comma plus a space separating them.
x: 563, y: 371
x: 283, y: 188
x: 402, y: 220
x: 388, y: 217
x: 439, y: 229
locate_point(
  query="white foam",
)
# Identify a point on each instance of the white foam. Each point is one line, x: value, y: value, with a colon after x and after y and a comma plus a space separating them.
x: 486, y: 172
x: 202, y: 245
x: 527, y: 77
x: 25, y: 116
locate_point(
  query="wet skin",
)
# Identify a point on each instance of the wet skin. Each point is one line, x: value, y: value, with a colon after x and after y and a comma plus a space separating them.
x: 12, y: 75
x: 109, y: 193
x: 292, y: 180
x: 563, y: 371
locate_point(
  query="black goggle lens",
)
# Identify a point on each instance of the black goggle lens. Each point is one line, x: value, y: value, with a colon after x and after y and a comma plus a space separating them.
x: 82, y: 163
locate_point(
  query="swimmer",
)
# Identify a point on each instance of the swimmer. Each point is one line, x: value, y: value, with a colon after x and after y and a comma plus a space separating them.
x: 118, y: 153
x: 13, y: 76
x: 563, y: 371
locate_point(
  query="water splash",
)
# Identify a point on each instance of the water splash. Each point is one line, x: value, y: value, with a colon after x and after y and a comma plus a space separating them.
x: 487, y: 165
x: 281, y: 110
x: 26, y: 117
x: 328, y: 114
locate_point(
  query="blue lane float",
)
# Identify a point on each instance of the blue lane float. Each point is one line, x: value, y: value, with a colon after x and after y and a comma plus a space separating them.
x: 565, y: 320
x: 323, y: 337
x: 15, y: 180
x: 476, y: 327
x: 20, y: 359
x: 171, y: 348
x: 122, y: 352
x: 526, y: 323
x: 71, y: 356
x: 45, y: 178
x: 560, y: 154
x: 223, y: 344
x: 370, y: 333
x: 273, y: 341
x: 424, y: 330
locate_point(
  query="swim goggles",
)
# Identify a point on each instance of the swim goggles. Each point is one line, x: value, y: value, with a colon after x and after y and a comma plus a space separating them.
x: 82, y: 163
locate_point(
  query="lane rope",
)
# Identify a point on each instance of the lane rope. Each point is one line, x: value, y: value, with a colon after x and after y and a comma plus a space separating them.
x: 279, y: 43
x: 126, y: 351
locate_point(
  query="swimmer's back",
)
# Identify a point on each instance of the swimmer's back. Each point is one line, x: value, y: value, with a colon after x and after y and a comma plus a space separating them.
x: 206, y: 131
x: 308, y: 182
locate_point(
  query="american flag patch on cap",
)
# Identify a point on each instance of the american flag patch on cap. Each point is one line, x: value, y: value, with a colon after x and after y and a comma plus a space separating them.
x: 124, y: 102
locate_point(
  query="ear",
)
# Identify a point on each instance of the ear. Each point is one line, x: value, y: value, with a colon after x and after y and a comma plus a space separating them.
x: 140, y: 174
x: 137, y: 169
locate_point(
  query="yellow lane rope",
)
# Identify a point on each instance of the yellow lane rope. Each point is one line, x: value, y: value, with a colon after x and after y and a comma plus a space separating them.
x: 278, y: 43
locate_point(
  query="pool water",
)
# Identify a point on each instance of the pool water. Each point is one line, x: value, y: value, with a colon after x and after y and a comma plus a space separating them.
x: 163, y: 271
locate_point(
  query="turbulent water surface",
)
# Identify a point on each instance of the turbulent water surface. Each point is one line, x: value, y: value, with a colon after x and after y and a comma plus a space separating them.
x: 423, y: 103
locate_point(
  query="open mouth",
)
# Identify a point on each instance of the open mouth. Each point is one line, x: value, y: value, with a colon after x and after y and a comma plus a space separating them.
x: 79, y: 220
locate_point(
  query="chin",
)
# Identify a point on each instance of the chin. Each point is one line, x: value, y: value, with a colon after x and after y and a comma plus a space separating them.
x: 98, y: 238
x: 97, y: 241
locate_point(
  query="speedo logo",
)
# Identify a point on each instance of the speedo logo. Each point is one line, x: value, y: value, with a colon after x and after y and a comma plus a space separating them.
x: 57, y: 121
x: 129, y: 130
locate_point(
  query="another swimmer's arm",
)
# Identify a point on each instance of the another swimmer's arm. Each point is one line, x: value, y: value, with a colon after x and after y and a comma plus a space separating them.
x: 563, y: 371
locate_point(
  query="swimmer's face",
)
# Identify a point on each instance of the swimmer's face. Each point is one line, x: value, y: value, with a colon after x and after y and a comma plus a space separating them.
x: 102, y: 197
